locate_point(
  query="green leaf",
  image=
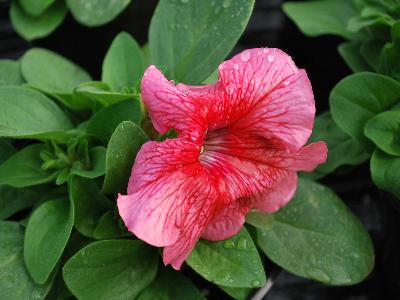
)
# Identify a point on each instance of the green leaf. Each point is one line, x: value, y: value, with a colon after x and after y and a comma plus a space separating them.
x: 15, y: 282
x: 322, y: 16
x: 98, y: 94
x: 170, y: 285
x: 6, y: 150
x: 89, y: 204
x: 13, y: 200
x: 123, y: 64
x: 46, y: 236
x: 104, y: 122
x: 236, y: 293
x: 96, y: 12
x: 52, y: 73
x: 191, y: 47
x: 121, y: 152
x: 34, y: 27
x: 385, y: 171
x: 389, y: 61
x: 114, y: 269
x: 26, y: 113
x: 316, y: 236
x: 234, y: 262
x: 342, y: 149
x: 98, y: 164
x: 384, y: 131
x: 351, y: 53
x: 24, y: 168
x: 10, y: 73
x: 36, y: 7
x: 107, y: 227
x: 371, y: 51
x: 359, y: 97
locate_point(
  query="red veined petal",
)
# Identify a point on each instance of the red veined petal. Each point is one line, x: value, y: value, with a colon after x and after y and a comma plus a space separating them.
x: 228, y: 221
x: 171, y: 107
x: 277, y: 196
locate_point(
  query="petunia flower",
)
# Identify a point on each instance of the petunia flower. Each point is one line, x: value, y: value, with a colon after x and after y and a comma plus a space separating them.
x: 240, y: 143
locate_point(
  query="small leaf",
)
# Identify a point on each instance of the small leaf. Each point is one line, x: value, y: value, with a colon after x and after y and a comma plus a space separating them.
x: 343, y: 150
x: 52, y: 73
x: 121, y: 152
x: 389, y: 61
x: 191, y: 47
x: 29, y: 114
x: 96, y: 12
x: 104, y: 122
x: 371, y: 51
x: 6, y: 150
x: 170, y: 285
x: 107, y: 227
x: 24, y: 168
x: 89, y: 204
x: 330, y: 15
x: 234, y: 262
x: 34, y: 27
x: 316, y: 236
x: 385, y: 171
x: 359, y: 97
x: 36, y: 7
x: 351, y: 53
x: 10, y: 73
x: 46, y: 236
x: 15, y: 282
x: 114, y: 269
x: 98, y: 164
x: 123, y: 65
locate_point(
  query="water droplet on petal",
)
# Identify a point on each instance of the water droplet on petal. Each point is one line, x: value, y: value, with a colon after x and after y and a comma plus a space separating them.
x: 245, y: 55
x: 236, y: 66
x: 286, y: 82
x: 265, y: 50
x: 271, y: 58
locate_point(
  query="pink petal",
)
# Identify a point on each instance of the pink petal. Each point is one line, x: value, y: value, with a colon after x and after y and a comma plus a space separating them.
x: 228, y: 221
x: 263, y: 91
x: 277, y: 196
x: 172, y: 107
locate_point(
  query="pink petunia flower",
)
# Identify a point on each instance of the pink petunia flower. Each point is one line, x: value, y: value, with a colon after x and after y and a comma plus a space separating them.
x: 240, y: 143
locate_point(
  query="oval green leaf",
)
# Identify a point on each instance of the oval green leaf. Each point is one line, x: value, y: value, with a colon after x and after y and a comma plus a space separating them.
x: 124, y: 144
x: 316, y: 236
x: 97, y: 164
x: 359, y: 97
x: 234, y: 262
x: 34, y: 27
x: 15, y: 281
x: 36, y: 7
x: 123, y: 65
x: 46, y: 236
x: 10, y: 73
x: 189, y: 46
x: 114, y: 269
x: 385, y: 171
x: 29, y: 114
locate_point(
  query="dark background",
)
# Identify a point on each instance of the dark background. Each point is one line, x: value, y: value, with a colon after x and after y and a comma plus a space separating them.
x: 268, y: 27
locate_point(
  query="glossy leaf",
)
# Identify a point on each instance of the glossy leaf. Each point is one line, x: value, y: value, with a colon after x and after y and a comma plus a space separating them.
x: 50, y: 72
x: 316, y: 236
x: 10, y: 73
x: 104, y: 122
x: 385, y: 171
x: 123, y: 65
x: 34, y: 27
x: 97, y: 164
x: 359, y: 97
x: 89, y: 204
x: 189, y: 46
x: 15, y: 281
x: 342, y: 149
x: 96, y: 12
x: 234, y: 262
x: 124, y: 144
x: 113, y: 269
x: 27, y: 113
x: 170, y: 285
x: 24, y: 168
x: 322, y: 16
x: 35, y: 7
x: 46, y: 236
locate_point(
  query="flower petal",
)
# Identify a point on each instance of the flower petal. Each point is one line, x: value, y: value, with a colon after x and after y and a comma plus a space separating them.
x: 228, y: 221
x: 263, y: 91
x: 272, y: 199
x: 171, y: 107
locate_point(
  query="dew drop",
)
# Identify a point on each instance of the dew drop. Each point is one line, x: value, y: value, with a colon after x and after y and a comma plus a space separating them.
x: 245, y: 56
x: 242, y: 244
x: 236, y: 66
x: 229, y: 244
x: 286, y: 82
x: 265, y: 50
x: 271, y: 58
x: 256, y: 283
x: 184, y: 1
x: 226, y: 3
